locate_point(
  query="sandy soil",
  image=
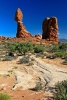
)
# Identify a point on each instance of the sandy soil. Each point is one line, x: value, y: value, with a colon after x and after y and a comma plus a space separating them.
x: 58, y: 62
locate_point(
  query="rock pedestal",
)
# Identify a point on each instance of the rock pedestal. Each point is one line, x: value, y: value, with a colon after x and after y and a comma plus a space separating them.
x: 50, y: 29
x: 21, y: 30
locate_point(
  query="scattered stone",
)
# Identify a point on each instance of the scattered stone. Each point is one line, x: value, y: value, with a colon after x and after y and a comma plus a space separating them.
x: 4, y: 88
x: 38, y: 36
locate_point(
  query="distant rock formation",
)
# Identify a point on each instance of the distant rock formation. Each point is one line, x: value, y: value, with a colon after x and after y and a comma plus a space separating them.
x: 50, y: 29
x: 21, y: 30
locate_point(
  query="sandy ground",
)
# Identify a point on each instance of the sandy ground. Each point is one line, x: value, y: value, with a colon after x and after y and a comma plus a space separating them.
x: 17, y: 79
x: 58, y: 62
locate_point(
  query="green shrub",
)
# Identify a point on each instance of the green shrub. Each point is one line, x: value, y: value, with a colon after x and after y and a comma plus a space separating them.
x: 39, y: 49
x: 8, y: 58
x: 16, y: 47
x: 25, y: 59
x: 32, y: 59
x: 15, y: 67
x: 10, y: 47
x: 4, y: 97
x: 39, y: 54
x: 60, y: 54
x: 24, y: 47
x: 61, y: 91
x: 10, y: 71
x: 30, y: 64
x: 65, y: 62
x: 66, y: 58
x: 53, y: 56
x: 63, y: 46
x: 53, y: 48
x: 38, y: 86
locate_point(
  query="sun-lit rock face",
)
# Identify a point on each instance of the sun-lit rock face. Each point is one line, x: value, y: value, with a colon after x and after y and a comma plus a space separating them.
x: 21, y: 30
x: 18, y: 15
x: 50, y: 29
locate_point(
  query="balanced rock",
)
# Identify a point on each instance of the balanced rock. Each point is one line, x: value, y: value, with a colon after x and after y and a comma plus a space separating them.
x: 18, y: 15
x: 21, y: 30
x: 50, y: 29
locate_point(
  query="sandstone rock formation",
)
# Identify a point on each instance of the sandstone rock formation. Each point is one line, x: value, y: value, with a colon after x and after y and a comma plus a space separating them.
x: 21, y: 30
x: 50, y: 29
x: 18, y: 15
x: 38, y: 36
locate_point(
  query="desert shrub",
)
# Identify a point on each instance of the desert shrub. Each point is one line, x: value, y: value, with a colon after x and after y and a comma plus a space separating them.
x: 38, y: 86
x: 30, y: 64
x: 39, y: 49
x: 8, y: 75
x: 2, y: 52
x: 53, y: 56
x: 60, y: 54
x: 16, y: 47
x: 65, y: 62
x: 66, y: 58
x: 48, y: 56
x: 4, y: 97
x: 7, y: 58
x: 63, y: 46
x: 53, y: 48
x: 15, y: 67
x: 61, y: 91
x: 11, y: 46
x: 53, y: 43
x: 32, y: 59
x: 24, y: 47
x: 15, y: 57
x: 25, y: 59
x: 39, y: 54
x: 10, y: 71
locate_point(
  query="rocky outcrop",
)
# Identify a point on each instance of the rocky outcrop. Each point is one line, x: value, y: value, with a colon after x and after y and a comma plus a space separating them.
x: 38, y: 36
x: 50, y: 29
x: 21, y: 30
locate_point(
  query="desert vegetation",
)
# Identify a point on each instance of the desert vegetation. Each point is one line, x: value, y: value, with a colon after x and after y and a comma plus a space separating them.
x: 61, y: 91
x: 4, y: 97
x: 10, y: 51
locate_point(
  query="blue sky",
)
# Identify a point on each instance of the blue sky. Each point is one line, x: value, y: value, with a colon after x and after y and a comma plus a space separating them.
x: 34, y: 12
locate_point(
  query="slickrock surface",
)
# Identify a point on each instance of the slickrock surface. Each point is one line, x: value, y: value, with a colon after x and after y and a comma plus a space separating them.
x: 50, y: 29
x: 24, y: 77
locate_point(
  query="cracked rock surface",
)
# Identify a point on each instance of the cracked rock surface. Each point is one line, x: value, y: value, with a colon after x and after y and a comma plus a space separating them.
x: 26, y: 77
